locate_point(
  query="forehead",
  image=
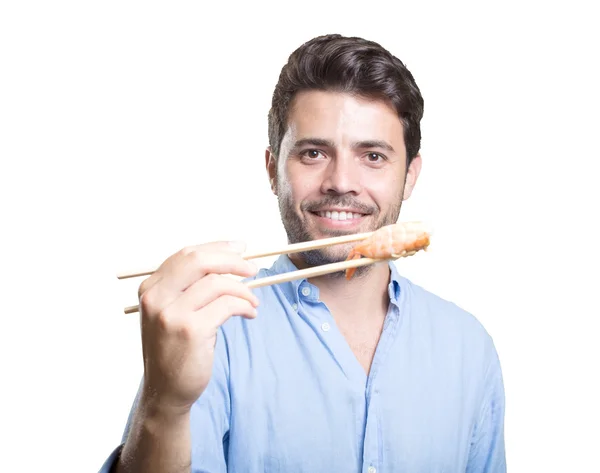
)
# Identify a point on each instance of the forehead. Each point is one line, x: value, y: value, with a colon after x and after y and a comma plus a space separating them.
x: 341, y: 117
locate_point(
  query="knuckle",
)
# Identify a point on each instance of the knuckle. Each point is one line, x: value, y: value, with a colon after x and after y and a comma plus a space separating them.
x: 171, y: 323
x: 213, y: 279
x: 142, y: 288
x: 185, y: 332
x: 147, y: 301
x: 164, y: 320
x: 195, y: 257
x: 186, y: 250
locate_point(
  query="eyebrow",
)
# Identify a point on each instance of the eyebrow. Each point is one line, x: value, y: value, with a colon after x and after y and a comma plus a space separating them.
x: 356, y: 145
x: 313, y: 142
x: 373, y: 144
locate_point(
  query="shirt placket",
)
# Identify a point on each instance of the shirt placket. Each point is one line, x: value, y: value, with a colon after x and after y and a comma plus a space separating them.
x: 323, y: 324
x: 372, y: 450
x: 365, y: 387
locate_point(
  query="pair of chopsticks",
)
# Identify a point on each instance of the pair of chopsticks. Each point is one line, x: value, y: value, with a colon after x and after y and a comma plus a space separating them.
x: 292, y: 275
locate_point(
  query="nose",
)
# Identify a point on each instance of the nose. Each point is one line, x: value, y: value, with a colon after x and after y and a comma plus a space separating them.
x: 342, y: 176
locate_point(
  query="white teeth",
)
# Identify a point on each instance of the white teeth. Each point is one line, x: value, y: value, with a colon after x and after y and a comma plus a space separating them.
x: 335, y: 215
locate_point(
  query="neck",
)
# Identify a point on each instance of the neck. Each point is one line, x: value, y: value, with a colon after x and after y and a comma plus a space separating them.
x: 360, y: 298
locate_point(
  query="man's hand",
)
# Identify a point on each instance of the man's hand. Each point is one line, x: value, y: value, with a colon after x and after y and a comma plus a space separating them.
x: 182, y: 305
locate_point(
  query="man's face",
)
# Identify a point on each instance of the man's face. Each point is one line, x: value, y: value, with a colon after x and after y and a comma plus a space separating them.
x: 341, y: 170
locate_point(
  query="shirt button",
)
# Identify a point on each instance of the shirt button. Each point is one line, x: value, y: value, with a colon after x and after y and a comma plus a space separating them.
x: 325, y: 327
x: 372, y: 469
x: 306, y: 291
x: 295, y: 306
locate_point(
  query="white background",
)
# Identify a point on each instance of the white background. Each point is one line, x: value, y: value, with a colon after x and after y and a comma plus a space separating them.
x: 128, y: 130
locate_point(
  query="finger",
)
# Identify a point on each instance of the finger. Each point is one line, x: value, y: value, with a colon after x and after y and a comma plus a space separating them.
x: 197, y: 264
x: 221, y: 309
x: 209, y: 288
x: 236, y: 247
x: 189, y: 255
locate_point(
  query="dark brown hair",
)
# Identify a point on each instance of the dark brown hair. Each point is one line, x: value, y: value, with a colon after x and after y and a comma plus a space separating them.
x: 351, y: 65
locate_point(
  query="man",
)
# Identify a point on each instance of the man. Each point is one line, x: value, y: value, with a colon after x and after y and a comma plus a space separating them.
x: 366, y: 375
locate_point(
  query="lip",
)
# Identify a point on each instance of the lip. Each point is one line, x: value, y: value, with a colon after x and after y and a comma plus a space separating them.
x: 340, y: 209
x: 331, y: 224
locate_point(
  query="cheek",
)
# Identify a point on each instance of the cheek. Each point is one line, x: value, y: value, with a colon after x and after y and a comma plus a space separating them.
x: 385, y: 190
x: 291, y: 191
x: 299, y: 186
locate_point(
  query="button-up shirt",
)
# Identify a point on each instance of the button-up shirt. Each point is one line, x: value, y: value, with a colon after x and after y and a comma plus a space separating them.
x: 287, y: 393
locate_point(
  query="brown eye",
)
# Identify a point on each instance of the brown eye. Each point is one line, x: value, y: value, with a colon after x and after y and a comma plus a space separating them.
x: 312, y: 153
x: 374, y: 157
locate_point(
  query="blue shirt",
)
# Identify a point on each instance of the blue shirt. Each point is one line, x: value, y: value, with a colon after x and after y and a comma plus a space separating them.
x: 288, y: 394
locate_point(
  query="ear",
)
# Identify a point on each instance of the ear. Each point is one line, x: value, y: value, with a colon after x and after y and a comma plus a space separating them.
x: 412, y: 175
x: 271, y: 165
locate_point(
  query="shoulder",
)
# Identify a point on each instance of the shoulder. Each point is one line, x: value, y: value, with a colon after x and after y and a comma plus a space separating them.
x: 445, y: 319
x: 439, y: 309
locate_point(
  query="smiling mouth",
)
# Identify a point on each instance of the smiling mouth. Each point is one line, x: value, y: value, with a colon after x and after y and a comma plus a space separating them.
x: 339, y: 215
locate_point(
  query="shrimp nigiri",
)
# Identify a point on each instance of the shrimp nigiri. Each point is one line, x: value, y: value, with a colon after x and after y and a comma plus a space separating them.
x: 392, y: 242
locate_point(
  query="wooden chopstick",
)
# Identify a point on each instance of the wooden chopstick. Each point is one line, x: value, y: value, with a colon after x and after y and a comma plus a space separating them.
x: 289, y: 249
x: 299, y: 274
x: 312, y: 272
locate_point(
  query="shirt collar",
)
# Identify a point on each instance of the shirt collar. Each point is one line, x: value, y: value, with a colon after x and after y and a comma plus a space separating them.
x: 292, y: 289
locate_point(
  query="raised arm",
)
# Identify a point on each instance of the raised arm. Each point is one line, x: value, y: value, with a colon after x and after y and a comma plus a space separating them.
x: 182, y: 306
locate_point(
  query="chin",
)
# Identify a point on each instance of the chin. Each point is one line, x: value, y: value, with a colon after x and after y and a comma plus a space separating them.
x: 328, y: 255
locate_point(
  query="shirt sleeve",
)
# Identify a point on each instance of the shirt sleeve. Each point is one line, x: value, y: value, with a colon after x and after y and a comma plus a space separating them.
x: 211, y: 416
x: 487, y: 453
x: 209, y: 420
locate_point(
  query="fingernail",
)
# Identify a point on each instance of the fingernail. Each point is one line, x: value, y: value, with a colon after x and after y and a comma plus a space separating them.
x: 238, y: 246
